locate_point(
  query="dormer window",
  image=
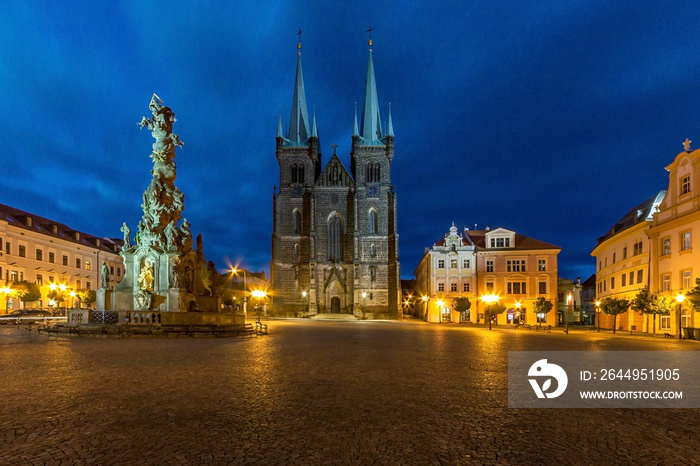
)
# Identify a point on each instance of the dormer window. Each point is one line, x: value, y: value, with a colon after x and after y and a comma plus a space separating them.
x: 500, y: 242
x: 28, y: 221
x: 685, y: 185
x: 54, y: 229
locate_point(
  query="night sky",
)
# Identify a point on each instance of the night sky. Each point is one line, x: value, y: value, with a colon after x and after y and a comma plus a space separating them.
x: 552, y: 119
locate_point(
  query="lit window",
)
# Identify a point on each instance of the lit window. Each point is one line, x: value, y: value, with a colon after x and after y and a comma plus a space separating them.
x: 453, y: 265
x: 541, y: 265
x: 87, y: 265
x: 685, y: 241
x: 685, y: 185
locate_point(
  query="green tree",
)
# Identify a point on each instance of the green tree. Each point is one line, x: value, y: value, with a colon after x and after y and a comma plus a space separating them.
x: 693, y: 296
x: 613, y: 307
x: 494, y: 309
x: 461, y: 304
x: 651, y: 304
x: 27, y: 292
x: 87, y: 297
x: 542, y: 306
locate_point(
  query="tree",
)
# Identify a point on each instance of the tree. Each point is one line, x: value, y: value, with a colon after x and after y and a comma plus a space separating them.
x: 651, y: 304
x: 693, y: 296
x: 461, y: 304
x: 27, y: 292
x: 494, y: 309
x: 86, y: 297
x: 542, y: 306
x: 613, y: 307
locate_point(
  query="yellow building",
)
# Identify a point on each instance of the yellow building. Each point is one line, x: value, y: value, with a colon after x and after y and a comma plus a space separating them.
x: 622, y: 262
x: 46, y: 252
x: 675, y: 264
x: 479, y: 263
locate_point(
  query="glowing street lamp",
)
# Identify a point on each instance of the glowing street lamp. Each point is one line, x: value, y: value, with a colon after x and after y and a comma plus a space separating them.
x: 425, y: 300
x: 234, y: 270
x: 490, y: 299
x: 680, y: 298
x: 517, y: 312
x: 597, y: 314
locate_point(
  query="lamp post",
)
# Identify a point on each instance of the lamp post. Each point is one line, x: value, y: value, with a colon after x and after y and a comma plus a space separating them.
x: 440, y: 303
x: 245, y: 288
x: 680, y: 298
x: 258, y: 295
x: 364, y: 298
x: 7, y: 291
x: 597, y: 314
x: 425, y: 300
x: 305, y: 295
x: 517, y: 312
x: 490, y: 299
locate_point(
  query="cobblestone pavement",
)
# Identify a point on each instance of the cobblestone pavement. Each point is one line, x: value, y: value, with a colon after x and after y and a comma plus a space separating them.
x: 314, y: 393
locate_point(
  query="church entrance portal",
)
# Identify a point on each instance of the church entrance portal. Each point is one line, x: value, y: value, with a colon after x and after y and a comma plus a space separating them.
x: 335, y: 305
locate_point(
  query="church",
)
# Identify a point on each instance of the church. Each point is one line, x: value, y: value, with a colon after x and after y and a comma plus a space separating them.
x: 335, y: 247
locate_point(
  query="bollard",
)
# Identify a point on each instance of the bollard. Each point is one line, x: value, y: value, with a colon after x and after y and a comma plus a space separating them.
x: 566, y: 330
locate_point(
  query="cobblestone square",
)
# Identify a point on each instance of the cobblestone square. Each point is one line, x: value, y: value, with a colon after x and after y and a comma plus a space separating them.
x: 315, y: 392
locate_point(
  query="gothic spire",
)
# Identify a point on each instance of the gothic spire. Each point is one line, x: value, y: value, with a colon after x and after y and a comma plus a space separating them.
x: 389, y: 126
x: 299, y: 120
x: 370, y: 127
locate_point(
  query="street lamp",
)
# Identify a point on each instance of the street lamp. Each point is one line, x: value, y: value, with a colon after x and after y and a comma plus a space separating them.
x: 680, y: 298
x: 517, y: 312
x: 258, y: 295
x: 245, y: 288
x: 425, y: 300
x: 597, y: 314
x: 440, y: 303
x: 490, y: 299
x: 7, y: 292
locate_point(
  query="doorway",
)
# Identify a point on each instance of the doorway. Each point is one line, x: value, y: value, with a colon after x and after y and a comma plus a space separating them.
x: 335, y: 305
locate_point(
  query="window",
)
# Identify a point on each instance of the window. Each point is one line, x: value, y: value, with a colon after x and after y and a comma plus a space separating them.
x: 640, y: 276
x: 111, y: 270
x: 441, y: 264
x: 541, y: 265
x: 441, y: 287
x: 7, y: 247
x: 51, y: 279
x: 489, y: 287
x: 500, y: 242
x: 453, y: 264
x: 22, y: 251
x: 87, y: 265
x: 466, y: 264
x: 335, y: 238
x: 77, y: 263
x: 516, y: 288
x: 119, y: 272
x: 297, y: 172
x: 88, y: 286
x: 296, y: 218
x: 296, y: 249
x: 39, y: 279
x: 666, y: 282
x: 489, y: 265
x: 685, y: 241
x: 624, y: 279
x: 465, y: 287
x: 65, y: 260
x: 542, y: 287
x: 372, y: 221
x: 664, y: 322
x: 78, y: 284
x: 612, y: 283
x: 39, y: 255
x: 373, y: 250
x: 665, y: 246
x: 453, y: 248
x: 13, y: 276
x: 638, y: 247
x: 624, y: 253
x: 52, y: 257
x: 685, y: 185
x: 515, y: 265
x: 614, y: 257
x: 453, y: 287
x: 686, y: 279
x: 372, y: 172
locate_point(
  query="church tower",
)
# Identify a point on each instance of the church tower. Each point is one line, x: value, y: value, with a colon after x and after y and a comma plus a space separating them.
x: 334, y: 241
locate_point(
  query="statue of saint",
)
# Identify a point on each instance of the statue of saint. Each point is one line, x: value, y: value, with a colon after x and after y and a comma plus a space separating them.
x: 127, y: 234
x: 105, y: 276
x: 146, y: 276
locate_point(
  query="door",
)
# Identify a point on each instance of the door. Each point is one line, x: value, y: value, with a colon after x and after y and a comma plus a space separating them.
x: 335, y: 305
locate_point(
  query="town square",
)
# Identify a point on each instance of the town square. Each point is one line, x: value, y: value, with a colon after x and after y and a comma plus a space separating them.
x: 319, y: 233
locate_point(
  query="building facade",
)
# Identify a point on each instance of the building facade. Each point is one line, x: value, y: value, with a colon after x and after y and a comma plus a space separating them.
x: 673, y: 233
x: 622, y: 257
x: 478, y: 263
x: 47, y: 253
x: 334, y: 241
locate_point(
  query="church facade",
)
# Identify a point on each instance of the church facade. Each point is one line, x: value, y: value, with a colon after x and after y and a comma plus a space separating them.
x: 335, y: 242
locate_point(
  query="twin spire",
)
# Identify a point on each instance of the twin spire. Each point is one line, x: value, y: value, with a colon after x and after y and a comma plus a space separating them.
x: 370, y: 129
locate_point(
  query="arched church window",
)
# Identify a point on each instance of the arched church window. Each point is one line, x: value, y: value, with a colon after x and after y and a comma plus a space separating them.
x: 372, y: 172
x: 296, y: 218
x: 372, y: 221
x: 296, y: 249
x: 297, y: 172
x: 373, y: 250
x: 335, y: 238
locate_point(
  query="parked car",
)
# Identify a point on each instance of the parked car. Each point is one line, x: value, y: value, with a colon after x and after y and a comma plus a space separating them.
x: 23, y: 316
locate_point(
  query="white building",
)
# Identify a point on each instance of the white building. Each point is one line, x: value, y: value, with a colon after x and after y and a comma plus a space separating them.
x: 47, y: 252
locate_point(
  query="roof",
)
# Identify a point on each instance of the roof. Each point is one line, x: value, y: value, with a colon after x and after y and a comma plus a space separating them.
x: 643, y: 212
x: 18, y: 218
x: 478, y: 238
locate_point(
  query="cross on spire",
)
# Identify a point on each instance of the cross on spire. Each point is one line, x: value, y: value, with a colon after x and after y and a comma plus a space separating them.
x: 334, y: 146
x: 370, y: 36
x: 299, y: 41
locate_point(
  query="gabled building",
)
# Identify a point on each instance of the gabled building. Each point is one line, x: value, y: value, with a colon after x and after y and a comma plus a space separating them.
x: 46, y: 252
x: 476, y: 263
x: 334, y: 240
x: 622, y: 262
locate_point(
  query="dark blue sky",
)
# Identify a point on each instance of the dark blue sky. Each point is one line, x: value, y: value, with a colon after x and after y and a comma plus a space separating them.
x: 548, y: 118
